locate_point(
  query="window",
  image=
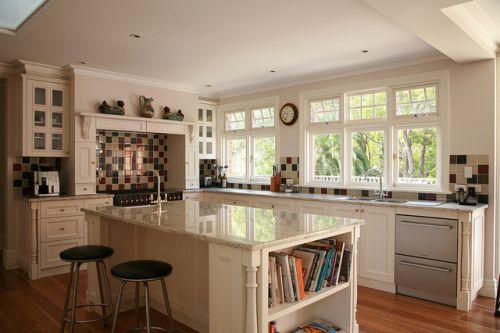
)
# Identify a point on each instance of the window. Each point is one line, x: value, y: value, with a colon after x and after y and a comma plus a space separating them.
x: 368, y: 105
x: 325, y: 110
x: 416, y: 101
x: 264, y: 156
x: 236, y: 158
x: 417, y: 156
x: 327, y: 162
x: 367, y: 152
x: 235, y: 121
x: 263, y: 117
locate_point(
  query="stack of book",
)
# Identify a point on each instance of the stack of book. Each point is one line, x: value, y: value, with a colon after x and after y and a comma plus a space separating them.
x: 309, y: 268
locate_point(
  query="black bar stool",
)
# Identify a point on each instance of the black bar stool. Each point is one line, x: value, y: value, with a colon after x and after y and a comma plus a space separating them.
x: 77, y: 256
x: 142, y: 271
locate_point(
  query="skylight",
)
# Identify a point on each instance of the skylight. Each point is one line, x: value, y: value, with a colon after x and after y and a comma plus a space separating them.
x: 14, y: 13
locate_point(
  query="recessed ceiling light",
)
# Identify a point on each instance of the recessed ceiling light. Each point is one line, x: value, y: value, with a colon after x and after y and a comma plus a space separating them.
x: 79, y: 62
x: 272, y: 71
x: 208, y: 85
x: 132, y: 35
x: 364, y: 51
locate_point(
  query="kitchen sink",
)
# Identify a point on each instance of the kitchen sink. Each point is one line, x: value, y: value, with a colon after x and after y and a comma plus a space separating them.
x: 359, y: 199
x: 377, y: 200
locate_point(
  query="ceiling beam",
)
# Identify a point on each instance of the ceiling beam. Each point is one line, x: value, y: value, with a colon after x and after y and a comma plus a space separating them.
x: 435, y: 22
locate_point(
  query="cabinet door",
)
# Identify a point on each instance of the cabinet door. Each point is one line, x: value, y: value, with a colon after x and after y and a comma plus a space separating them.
x: 85, y: 162
x: 234, y: 200
x: 376, y: 246
x: 192, y: 163
x: 206, y: 131
x: 282, y: 205
x: 311, y: 207
x: 352, y: 211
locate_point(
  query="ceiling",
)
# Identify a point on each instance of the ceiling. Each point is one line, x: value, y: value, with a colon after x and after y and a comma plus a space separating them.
x: 230, y: 44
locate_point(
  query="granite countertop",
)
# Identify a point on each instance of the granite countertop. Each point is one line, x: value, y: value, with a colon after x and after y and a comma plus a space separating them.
x: 227, y: 224
x: 420, y: 204
x: 32, y: 198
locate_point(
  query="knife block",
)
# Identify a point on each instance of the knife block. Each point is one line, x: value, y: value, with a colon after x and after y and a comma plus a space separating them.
x: 275, y: 183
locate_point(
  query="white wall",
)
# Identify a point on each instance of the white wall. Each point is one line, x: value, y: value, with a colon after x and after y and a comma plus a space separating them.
x: 472, y: 121
x: 3, y: 174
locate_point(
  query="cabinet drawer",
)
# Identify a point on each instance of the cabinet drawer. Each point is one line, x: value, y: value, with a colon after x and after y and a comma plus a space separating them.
x: 192, y: 183
x: 427, y: 237
x: 82, y: 189
x: 93, y: 203
x: 429, y: 276
x: 193, y: 196
x: 57, y: 228
x: 60, y: 208
x: 49, y: 254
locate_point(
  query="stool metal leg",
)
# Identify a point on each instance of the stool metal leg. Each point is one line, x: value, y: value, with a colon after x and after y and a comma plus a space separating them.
x: 75, y: 296
x: 66, y: 299
x: 101, y: 291
x: 117, y: 307
x: 136, y: 320
x: 167, y: 305
x: 108, y: 289
x: 146, y: 297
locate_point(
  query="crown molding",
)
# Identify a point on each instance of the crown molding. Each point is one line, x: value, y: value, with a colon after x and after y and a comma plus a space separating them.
x: 34, y: 68
x: 337, y: 75
x: 145, y: 81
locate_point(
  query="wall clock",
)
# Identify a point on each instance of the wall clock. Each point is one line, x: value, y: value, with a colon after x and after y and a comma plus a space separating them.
x: 289, y: 114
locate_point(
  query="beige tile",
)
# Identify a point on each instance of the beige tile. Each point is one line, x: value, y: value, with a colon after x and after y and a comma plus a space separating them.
x: 461, y: 179
x: 453, y: 168
x: 472, y: 159
x: 483, y: 159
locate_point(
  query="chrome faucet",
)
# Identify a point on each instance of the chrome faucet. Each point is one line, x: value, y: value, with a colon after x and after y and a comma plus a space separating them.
x: 158, y: 197
x: 381, y: 194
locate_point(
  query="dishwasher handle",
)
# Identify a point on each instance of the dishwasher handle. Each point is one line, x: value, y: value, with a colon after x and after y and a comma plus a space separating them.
x: 411, y: 264
x: 427, y: 225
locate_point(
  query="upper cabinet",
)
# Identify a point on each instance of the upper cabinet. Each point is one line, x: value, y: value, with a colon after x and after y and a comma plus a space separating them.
x: 206, y: 130
x: 45, y: 113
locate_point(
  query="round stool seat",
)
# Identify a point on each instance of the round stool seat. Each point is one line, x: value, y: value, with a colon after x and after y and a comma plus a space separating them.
x: 141, y: 270
x: 86, y: 253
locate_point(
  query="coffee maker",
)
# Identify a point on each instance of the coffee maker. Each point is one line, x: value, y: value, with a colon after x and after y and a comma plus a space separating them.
x: 467, y: 198
x: 46, y: 183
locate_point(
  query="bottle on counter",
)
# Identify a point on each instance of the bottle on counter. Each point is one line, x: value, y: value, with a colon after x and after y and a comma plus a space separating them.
x: 223, y: 181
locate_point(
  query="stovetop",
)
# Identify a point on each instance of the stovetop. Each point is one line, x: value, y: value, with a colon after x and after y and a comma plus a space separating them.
x: 144, y: 198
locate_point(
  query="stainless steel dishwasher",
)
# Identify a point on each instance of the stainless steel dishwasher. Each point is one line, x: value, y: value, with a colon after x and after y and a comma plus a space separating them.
x: 426, y: 258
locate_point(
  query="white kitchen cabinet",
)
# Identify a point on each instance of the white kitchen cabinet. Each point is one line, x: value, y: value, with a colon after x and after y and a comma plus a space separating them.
x: 267, y: 203
x: 206, y: 130
x: 183, y: 166
x: 192, y: 163
x: 45, y: 109
x: 197, y: 196
x: 85, y: 163
x: 352, y: 211
x: 234, y: 200
x: 376, y: 246
x: 312, y: 207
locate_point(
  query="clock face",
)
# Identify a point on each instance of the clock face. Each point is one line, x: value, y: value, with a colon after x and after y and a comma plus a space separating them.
x: 288, y: 114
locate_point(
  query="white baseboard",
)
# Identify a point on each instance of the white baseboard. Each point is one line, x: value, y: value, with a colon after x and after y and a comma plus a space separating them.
x: 9, y: 259
x: 379, y: 285
x: 489, y: 288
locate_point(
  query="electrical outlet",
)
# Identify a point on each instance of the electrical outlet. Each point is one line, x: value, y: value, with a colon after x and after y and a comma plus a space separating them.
x: 468, y: 172
x: 459, y: 186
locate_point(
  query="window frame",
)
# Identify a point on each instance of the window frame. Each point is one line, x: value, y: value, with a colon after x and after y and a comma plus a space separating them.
x: 347, y: 108
x: 416, y: 86
x: 310, y: 159
x: 310, y: 113
x: 235, y: 130
x: 395, y: 183
x: 249, y: 133
x: 392, y: 122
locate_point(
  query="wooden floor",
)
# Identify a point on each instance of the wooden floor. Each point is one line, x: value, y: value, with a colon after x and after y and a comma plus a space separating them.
x: 36, y: 306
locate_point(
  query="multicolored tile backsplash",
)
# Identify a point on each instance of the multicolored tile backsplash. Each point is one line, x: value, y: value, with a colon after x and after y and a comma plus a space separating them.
x: 124, y: 157
x: 207, y: 167
x: 479, y: 163
x: 24, y: 166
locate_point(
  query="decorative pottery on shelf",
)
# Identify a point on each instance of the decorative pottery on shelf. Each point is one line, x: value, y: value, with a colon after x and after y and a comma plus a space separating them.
x: 168, y: 115
x: 118, y: 109
x: 145, y: 103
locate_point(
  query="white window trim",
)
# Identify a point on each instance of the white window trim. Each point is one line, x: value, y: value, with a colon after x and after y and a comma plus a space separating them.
x: 248, y: 134
x: 333, y: 122
x: 347, y: 107
x: 440, y: 78
x: 418, y: 85
x: 309, y: 161
x: 439, y: 158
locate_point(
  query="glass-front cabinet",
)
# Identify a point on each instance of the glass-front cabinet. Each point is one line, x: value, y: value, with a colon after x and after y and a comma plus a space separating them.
x: 46, y: 113
x: 206, y: 131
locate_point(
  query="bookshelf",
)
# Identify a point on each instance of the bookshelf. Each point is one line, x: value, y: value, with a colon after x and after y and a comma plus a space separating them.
x: 311, y: 298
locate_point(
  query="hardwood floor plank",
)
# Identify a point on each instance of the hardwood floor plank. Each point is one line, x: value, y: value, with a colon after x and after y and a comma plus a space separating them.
x: 35, y: 306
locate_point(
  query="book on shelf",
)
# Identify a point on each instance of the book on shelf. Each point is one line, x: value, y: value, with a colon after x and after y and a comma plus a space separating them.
x: 318, y: 326
x: 309, y: 268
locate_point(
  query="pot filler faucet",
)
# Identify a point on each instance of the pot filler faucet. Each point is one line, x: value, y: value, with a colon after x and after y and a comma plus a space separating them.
x: 158, y: 198
x: 378, y: 171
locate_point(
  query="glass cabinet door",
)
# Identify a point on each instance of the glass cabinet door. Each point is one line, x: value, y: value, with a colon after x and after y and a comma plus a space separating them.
x: 57, y: 141
x: 40, y: 96
x: 206, y: 134
x: 39, y: 118
x: 39, y: 141
x: 57, y: 120
x: 57, y: 98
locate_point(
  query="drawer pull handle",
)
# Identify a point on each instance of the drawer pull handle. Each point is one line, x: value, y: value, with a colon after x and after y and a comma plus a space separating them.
x: 62, y: 209
x: 439, y: 269
x: 62, y: 229
x: 427, y: 225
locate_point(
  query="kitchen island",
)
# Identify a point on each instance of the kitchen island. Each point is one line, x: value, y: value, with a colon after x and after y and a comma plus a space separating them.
x: 220, y: 257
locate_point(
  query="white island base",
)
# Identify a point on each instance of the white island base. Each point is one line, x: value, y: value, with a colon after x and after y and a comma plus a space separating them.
x: 218, y: 285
